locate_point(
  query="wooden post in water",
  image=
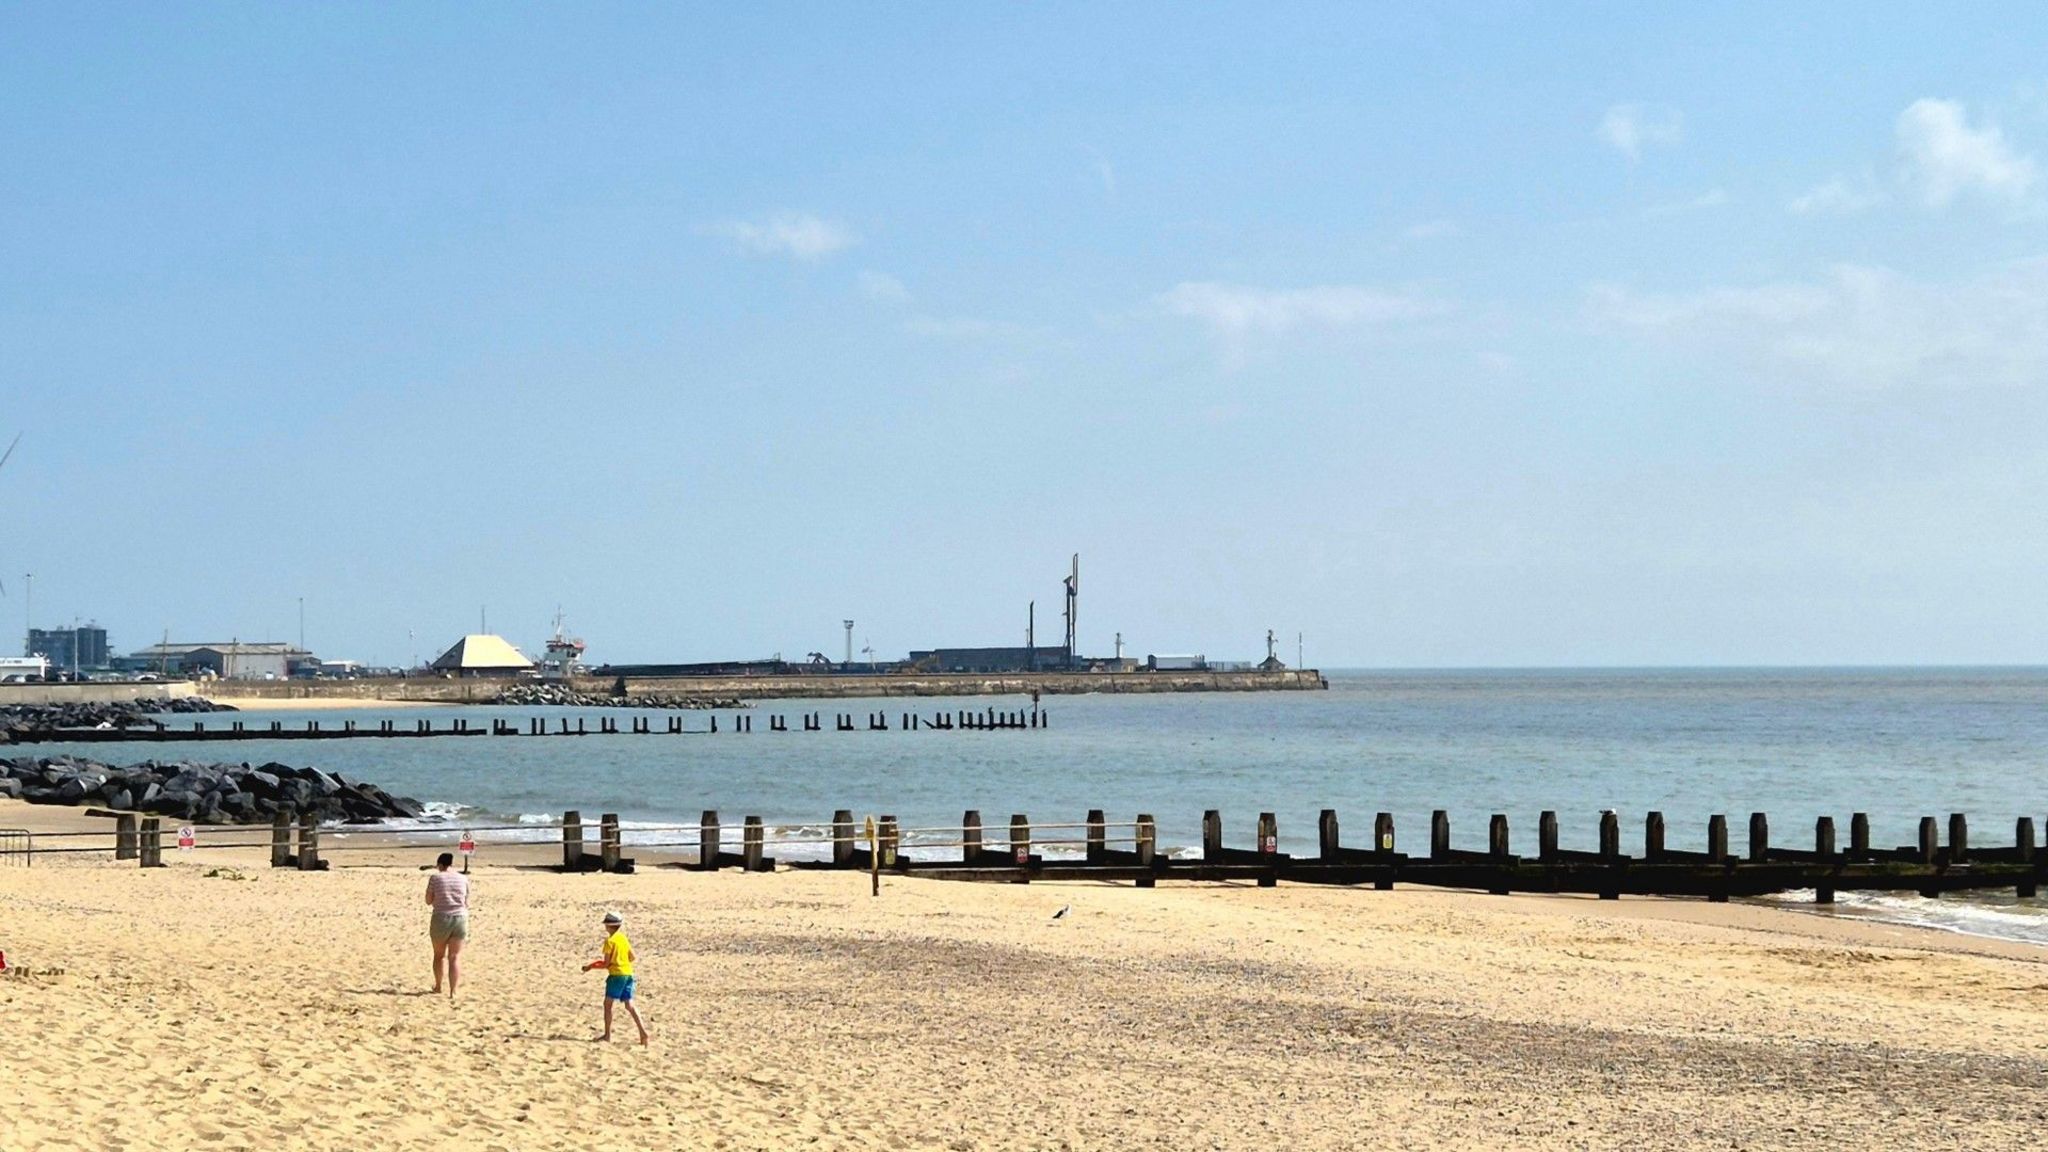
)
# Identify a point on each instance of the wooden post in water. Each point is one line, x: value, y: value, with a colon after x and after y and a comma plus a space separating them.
x: 309, y: 842
x: 1958, y: 838
x: 1717, y: 855
x: 1020, y: 846
x: 708, y: 836
x: 2023, y: 845
x: 1497, y: 848
x: 1759, y: 838
x: 1383, y: 847
x: 1269, y: 848
x: 126, y: 843
x: 1328, y: 847
x: 842, y: 838
x: 1824, y: 849
x: 1610, y: 855
x: 281, y: 839
x: 572, y: 839
x: 752, y: 836
x: 1439, y: 836
x: 1212, y: 837
x: 608, y: 841
x: 1546, y: 837
x: 970, y: 836
x: 1653, y: 838
x: 1098, y: 837
x: 1147, y: 831
x: 1930, y: 853
x: 1859, y: 837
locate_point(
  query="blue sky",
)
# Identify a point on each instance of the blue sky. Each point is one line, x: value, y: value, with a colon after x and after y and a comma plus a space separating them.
x: 1470, y: 335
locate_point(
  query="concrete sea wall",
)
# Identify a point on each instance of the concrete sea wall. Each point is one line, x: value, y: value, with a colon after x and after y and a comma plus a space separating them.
x: 425, y: 689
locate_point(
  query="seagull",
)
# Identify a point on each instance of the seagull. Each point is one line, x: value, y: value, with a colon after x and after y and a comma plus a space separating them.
x: 1064, y: 909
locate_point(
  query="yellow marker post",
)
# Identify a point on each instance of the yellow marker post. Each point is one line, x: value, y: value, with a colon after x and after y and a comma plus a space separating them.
x: 874, y: 860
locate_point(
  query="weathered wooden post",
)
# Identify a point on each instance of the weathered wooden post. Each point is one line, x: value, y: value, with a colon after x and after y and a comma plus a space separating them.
x: 149, y: 848
x: 572, y: 840
x: 1610, y: 855
x: 752, y: 837
x: 1930, y: 854
x: 1328, y: 848
x: 970, y: 836
x: 1147, y: 833
x: 1546, y: 837
x: 281, y: 839
x: 1859, y: 837
x: 1269, y: 849
x: 2023, y: 844
x: 707, y: 840
x: 1759, y: 838
x: 1020, y: 846
x: 309, y: 842
x: 1383, y: 847
x: 126, y: 844
x: 1958, y: 838
x: 1497, y: 848
x: 1824, y: 850
x: 1097, y: 837
x: 842, y: 838
x: 1653, y: 838
x: 892, y: 842
x: 1212, y: 837
x: 1439, y: 836
x: 608, y: 841
x: 1717, y: 855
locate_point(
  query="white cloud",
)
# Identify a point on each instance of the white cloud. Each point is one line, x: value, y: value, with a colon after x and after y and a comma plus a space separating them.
x: 1433, y: 229
x: 1858, y: 328
x: 1236, y: 311
x: 882, y: 286
x: 964, y: 328
x: 1942, y: 156
x: 797, y: 236
x: 1835, y: 196
x: 1630, y: 128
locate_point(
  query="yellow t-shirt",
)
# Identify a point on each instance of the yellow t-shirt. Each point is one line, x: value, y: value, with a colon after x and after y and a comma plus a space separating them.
x: 618, y: 955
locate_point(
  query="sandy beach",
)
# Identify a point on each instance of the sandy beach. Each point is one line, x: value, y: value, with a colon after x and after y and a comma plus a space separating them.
x: 217, y: 1003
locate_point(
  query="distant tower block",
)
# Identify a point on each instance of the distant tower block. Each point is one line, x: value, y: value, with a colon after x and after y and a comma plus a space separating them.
x: 849, y: 641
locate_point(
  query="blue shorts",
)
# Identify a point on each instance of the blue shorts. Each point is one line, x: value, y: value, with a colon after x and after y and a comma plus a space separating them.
x: 618, y: 987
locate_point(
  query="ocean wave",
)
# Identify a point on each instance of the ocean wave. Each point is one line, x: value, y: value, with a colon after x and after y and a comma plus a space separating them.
x: 1987, y: 915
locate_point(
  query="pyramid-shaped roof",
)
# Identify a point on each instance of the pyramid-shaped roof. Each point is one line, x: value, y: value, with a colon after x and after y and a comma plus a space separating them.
x: 481, y: 653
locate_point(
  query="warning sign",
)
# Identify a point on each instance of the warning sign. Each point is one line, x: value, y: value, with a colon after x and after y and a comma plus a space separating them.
x: 1269, y: 844
x: 187, y: 837
x: 468, y: 843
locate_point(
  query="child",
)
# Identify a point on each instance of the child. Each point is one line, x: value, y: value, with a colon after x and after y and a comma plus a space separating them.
x: 617, y: 963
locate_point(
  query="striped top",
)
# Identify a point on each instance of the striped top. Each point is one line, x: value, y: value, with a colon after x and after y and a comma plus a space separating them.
x: 449, y: 891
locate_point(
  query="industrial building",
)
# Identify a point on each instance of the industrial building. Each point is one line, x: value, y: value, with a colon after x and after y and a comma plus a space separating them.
x: 229, y: 660
x: 83, y: 648
x: 481, y: 654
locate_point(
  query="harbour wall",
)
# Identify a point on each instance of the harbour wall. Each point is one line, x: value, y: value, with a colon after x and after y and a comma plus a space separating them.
x: 484, y: 690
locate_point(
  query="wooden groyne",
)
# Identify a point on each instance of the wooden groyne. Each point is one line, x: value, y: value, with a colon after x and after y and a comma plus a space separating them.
x: 1096, y: 849
x: 984, y: 720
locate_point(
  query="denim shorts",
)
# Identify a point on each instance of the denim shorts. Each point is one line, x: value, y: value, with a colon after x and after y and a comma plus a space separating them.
x: 618, y: 987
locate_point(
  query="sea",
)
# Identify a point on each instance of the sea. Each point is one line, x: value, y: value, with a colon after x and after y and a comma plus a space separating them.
x: 1895, y: 743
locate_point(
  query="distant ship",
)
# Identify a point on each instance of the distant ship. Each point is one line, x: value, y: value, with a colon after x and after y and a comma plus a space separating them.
x: 564, y: 655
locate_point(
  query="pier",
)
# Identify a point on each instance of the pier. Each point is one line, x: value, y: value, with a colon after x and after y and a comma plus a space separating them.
x: 962, y: 720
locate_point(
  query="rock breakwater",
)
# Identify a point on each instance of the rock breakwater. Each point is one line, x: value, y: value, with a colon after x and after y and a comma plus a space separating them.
x: 27, y: 718
x: 557, y: 695
x: 202, y: 793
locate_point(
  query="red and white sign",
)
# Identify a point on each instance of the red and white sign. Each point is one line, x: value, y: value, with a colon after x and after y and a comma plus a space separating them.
x: 1023, y: 855
x: 468, y: 844
x: 187, y: 837
x: 1269, y: 844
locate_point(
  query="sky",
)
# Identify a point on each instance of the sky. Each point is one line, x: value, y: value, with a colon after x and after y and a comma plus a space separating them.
x: 1438, y: 335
